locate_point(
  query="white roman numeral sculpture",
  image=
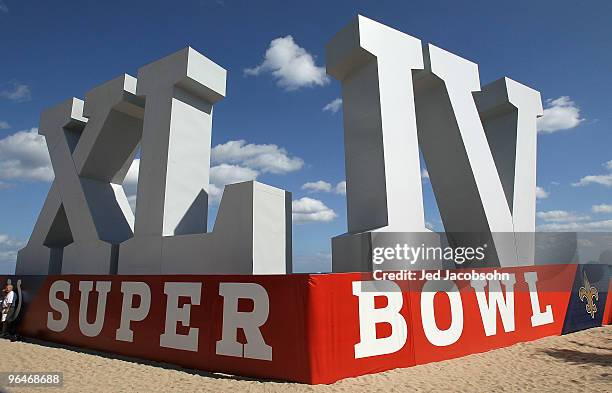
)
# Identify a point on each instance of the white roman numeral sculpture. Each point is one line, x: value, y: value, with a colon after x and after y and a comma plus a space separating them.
x: 86, y: 213
x: 86, y: 225
x: 399, y: 96
x: 479, y: 146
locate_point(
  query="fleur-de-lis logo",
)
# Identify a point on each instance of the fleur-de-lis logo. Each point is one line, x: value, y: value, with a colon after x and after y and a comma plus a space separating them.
x: 588, y: 292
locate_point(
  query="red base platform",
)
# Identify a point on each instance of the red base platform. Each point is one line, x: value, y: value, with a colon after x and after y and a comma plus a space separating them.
x: 310, y: 328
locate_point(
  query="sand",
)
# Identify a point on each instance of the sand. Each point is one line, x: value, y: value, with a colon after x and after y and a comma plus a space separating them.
x: 576, y: 362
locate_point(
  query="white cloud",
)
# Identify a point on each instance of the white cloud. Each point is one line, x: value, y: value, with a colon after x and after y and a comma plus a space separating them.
x: 424, y: 174
x: 17, y: 92
x: 560, y: 216
x: 291, y: 65
x: 4, y: 125
x: 341, y: 188
x: 228, y: 174
x: 541, y: 193
x: 311, y: 210
x: 220, y: 175
x: 8, y: 253
x: 604, y: 180
x: 224, y: 174
x: 333, y: 106
x: 237, y: 162
x: 564, y: 221
x: 6, y: 241
x: 24, y: 156
x: 317, y: 186
x: 588, y: 226
x: 603, y: 208
x: 264, y: 158
x: 323, y: 186
x: 559, y: 114
x: 214, y: 193
x: 3, y: 7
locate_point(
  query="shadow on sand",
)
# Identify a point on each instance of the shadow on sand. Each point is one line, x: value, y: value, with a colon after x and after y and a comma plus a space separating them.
x: 578, y: 357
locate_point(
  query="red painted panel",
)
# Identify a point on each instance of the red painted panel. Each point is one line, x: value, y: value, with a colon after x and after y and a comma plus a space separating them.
x: 607, y: 316
x: 334, y: 330
x: 285, y: 329
x: 312, y: 327
x: 554, y: 288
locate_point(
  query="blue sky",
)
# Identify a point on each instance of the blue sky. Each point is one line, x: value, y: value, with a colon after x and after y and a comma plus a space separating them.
x: 50, y: 51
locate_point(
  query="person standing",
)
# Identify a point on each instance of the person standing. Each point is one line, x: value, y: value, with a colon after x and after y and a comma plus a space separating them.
x: 8, y: 308
x: 2, y: 313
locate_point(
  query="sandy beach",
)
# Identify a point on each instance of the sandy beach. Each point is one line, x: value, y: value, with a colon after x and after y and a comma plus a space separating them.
x: 576, y: 362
